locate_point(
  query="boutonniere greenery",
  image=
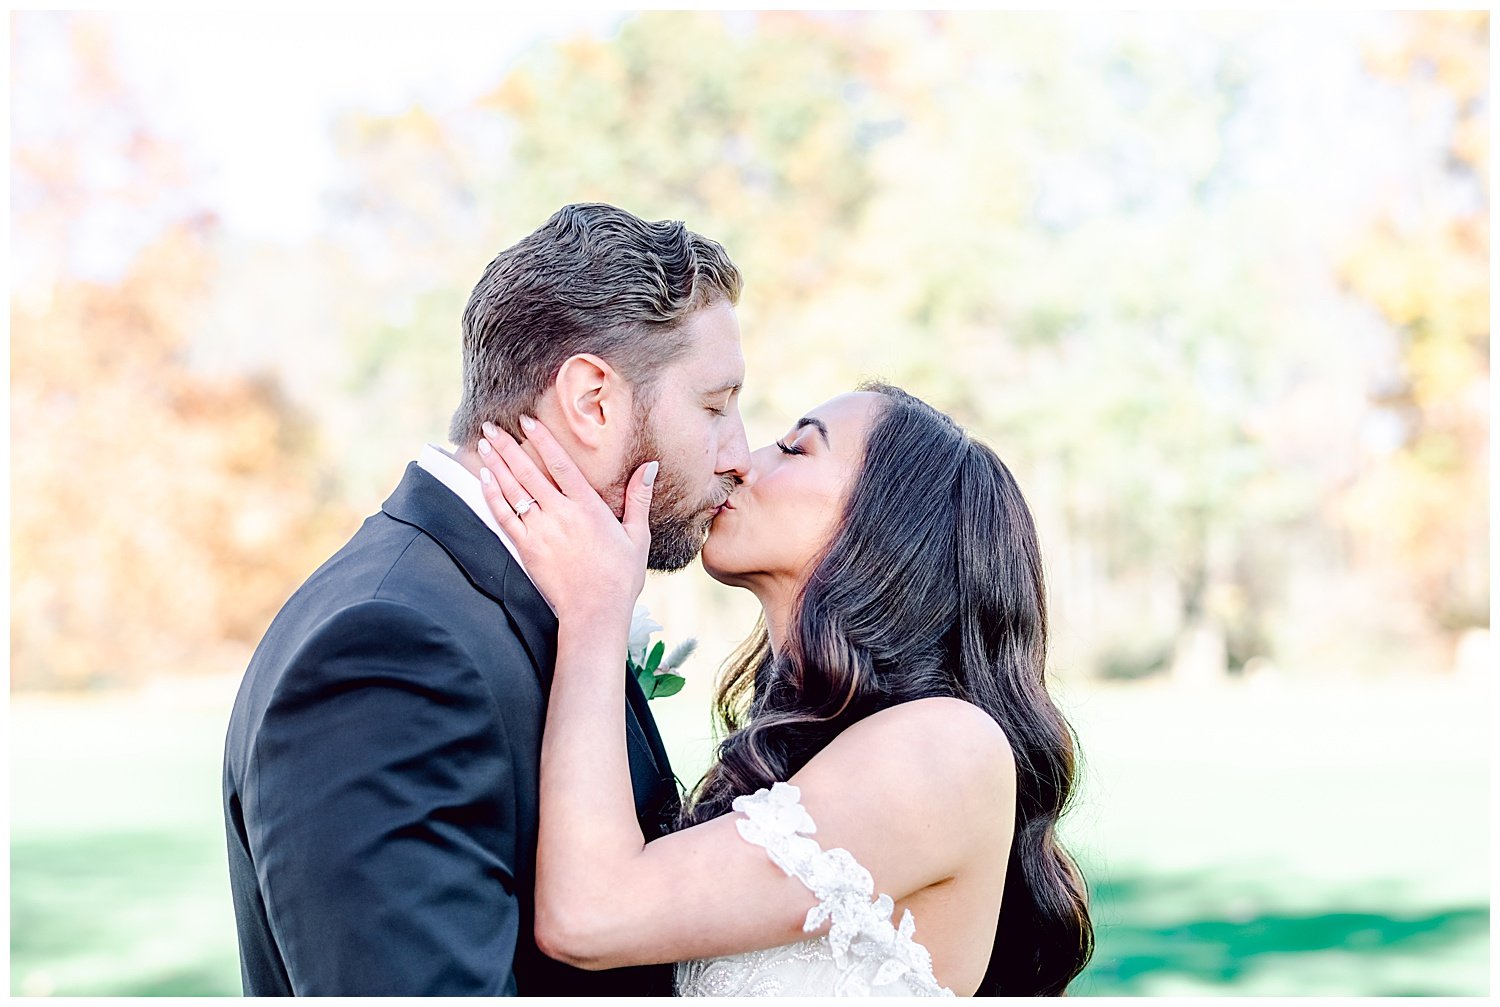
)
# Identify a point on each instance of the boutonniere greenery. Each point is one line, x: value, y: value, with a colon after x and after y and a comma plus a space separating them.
x: 654, y: 669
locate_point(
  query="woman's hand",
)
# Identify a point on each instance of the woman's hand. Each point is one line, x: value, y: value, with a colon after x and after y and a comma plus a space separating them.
x: 588, y: 564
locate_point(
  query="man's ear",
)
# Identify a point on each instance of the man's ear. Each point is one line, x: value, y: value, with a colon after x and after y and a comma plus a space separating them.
x: 591, y: 396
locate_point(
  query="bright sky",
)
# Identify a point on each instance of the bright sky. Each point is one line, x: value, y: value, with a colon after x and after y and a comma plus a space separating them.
x: 251, y: 95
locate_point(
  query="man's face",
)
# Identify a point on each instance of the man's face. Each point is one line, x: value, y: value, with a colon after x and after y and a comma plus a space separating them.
x: 693, y: 428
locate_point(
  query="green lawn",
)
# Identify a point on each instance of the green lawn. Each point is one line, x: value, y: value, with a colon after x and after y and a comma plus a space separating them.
x: 1237, y: 841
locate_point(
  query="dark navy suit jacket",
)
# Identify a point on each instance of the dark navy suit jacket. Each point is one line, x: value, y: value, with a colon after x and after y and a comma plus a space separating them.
x: 381, y: 770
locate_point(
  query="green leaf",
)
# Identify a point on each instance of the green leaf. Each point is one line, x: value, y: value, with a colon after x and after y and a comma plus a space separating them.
x: 645, y: 679
x: 667, y: 685
x: 654, y: 658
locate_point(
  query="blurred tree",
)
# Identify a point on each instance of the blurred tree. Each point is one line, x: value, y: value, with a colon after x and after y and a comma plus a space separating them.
x: 1044, y: 225
x: 1078, y: 287
x: 157, y: 511
x: 755, y: 129
x: 1420, y: 507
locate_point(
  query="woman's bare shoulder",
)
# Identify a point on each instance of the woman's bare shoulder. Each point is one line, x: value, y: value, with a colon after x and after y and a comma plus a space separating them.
x: 953, y: 731
x: 937, y: 757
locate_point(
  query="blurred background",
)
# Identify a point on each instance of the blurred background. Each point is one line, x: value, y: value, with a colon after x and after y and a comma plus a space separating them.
x: 1216, y: 288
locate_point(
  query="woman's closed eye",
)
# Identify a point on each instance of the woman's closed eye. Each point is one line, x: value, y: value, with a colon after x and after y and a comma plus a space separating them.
x: 791, y: 450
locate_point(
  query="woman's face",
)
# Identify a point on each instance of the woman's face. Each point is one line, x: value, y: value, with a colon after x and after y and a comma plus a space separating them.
x: 778, y: 521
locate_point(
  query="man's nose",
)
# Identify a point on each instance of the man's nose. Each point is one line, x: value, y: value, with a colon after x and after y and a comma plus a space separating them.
x: 734, y: 453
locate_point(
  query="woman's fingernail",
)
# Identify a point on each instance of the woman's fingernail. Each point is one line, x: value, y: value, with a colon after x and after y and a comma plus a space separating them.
x: 488, y: 428
x: 527, y: 423
x: 650, y: 477
x: 484, y: 474
x: 484, y: 447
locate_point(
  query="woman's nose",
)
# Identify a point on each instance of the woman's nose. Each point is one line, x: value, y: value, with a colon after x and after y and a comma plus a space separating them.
x: 760, y: 460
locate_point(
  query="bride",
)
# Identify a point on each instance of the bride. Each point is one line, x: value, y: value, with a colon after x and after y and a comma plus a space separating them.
x: 880, y: 818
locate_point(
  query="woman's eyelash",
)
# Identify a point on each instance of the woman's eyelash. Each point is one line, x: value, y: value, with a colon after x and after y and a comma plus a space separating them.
x: 789, y: 450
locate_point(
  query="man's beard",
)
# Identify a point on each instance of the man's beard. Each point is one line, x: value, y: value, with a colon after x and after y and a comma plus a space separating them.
x: 679, y: 526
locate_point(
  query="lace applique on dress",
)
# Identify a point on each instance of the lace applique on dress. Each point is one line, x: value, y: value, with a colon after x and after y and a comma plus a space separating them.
x: 862, y: 954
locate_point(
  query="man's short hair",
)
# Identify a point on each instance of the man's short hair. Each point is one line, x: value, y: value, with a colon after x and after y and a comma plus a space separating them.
x: 592, y: 279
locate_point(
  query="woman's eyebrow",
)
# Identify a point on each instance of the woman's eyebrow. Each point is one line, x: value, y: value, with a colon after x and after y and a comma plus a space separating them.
x: 810, y: 421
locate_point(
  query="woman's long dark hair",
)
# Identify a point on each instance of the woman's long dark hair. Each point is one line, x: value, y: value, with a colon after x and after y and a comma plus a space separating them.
x: 931, y: 586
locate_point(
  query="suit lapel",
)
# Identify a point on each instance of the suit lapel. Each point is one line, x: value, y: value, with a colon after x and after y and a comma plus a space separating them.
x: 647, y: 724
x: 423, y: 501
x: 663, y: 801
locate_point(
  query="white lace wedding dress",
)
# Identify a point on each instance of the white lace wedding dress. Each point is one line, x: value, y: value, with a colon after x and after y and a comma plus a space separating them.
x: 862, y: 954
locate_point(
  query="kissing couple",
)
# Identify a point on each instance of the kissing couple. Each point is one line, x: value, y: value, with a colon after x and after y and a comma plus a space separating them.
x: 441, y: 778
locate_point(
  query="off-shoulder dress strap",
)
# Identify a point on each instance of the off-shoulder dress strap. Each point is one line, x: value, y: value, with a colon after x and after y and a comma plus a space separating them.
x: 776, y: 821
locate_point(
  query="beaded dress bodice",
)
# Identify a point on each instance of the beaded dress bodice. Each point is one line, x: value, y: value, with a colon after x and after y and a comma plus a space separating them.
x: 862, y: 954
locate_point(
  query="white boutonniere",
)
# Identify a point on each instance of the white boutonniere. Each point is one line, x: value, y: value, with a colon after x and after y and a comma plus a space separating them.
x: 657, y: 674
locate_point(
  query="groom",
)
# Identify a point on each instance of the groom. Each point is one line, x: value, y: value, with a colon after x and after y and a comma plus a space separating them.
x: 381, y: 765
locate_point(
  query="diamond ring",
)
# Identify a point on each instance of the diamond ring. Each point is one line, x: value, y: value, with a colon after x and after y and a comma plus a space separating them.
x: 524, y: 506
